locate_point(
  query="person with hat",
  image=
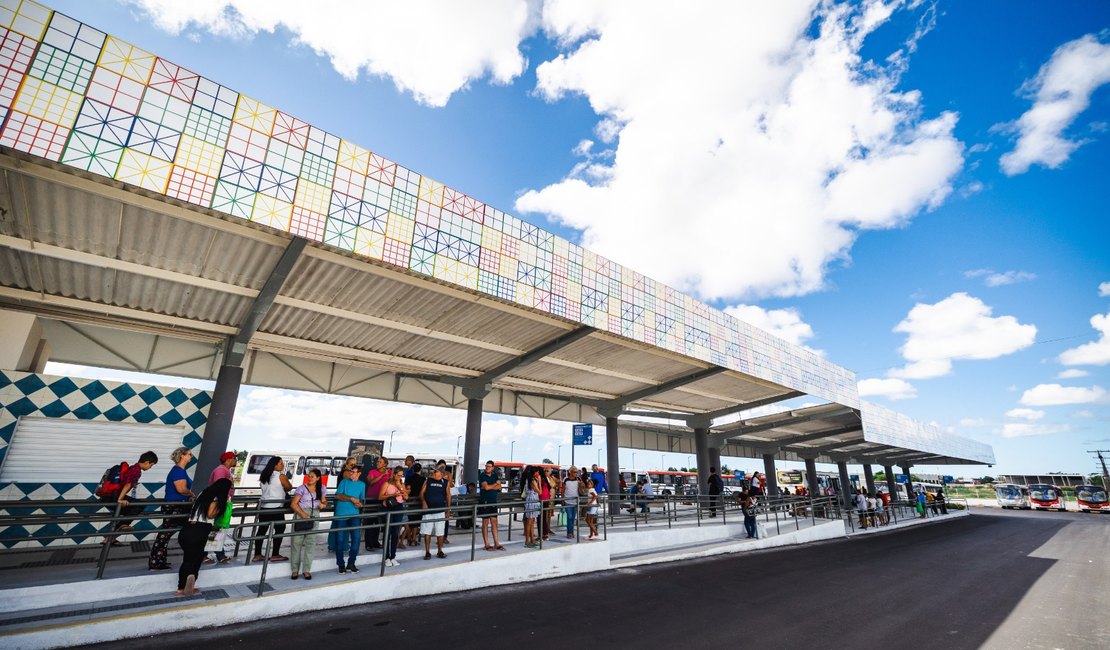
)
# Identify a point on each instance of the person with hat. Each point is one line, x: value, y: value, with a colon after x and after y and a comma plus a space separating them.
x: 228, y: 461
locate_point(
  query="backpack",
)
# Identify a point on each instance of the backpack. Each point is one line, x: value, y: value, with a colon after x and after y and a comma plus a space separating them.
x: 111, y: 482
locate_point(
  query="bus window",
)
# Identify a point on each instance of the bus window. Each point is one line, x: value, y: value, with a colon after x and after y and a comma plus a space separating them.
x: 257, y: 463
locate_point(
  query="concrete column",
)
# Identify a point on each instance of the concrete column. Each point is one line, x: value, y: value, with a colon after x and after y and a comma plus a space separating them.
x: 891, y: 485
x: 21, y: 344
x: 217, y: 430
x: 473, y: 444
x: 612, y: 460
x: 909, y: 481
x: 869, y: 478
x: 772, y: 477
x: 845, y: 493
x: 701, y: 447
x: 811, y: 478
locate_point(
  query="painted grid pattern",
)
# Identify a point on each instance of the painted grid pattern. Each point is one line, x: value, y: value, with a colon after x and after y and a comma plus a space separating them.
x: 882, y: 425
x: 29, y: 394
x: 73, y: 94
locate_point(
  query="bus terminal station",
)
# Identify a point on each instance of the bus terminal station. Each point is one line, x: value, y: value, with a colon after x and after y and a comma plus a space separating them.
x: 260, y: 250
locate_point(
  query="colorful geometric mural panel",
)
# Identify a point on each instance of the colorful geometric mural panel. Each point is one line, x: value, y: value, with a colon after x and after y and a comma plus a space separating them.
x: 150, y: 122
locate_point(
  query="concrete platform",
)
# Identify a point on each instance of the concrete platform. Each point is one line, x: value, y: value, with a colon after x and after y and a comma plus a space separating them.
x: 41, y: 608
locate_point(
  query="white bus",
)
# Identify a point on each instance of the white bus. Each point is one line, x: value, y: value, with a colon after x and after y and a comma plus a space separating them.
x: 1092, y: 498
x: 297, y: 463
x: 1010, y: 495
x: 1043, y: 496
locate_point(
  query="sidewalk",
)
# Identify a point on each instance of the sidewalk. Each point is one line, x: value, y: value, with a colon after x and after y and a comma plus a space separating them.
x: 60, y: 604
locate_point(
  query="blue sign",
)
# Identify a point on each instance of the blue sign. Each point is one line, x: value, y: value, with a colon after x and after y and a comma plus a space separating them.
x: 948, y: 479
x: 738, y: 475
x: 583, y: 434
x: 854, y: 478
x: 901, y: 479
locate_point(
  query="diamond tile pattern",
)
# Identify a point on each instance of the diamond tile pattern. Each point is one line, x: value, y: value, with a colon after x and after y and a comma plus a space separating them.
x: 28, y: 394
x: 69, y: 92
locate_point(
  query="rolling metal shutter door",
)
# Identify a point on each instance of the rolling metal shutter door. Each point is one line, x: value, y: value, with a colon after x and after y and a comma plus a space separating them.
x: 54, y: 449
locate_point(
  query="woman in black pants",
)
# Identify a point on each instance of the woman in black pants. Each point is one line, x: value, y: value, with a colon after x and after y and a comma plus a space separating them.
x: 194, y: 534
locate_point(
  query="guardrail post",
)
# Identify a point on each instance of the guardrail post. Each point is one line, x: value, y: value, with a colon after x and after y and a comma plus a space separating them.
x: 266, y: 558
x: 473, y: 530
x: 109, y: 539
x: 385, y: 546
x: 604, y: 521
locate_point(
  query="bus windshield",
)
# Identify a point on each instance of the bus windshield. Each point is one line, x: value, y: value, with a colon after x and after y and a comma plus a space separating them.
x: 1091, y: 493
x: 1042, y: 492
x: 1008, y: 492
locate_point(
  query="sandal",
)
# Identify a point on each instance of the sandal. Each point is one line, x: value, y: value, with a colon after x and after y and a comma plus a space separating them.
x: 307, y: 576
x: 224, y: 560
x: 499, y: 548
x: 295, y: 576
x: 278, y: 558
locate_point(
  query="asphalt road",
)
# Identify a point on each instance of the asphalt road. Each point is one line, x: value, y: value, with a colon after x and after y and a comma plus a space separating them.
x: 997, y: 580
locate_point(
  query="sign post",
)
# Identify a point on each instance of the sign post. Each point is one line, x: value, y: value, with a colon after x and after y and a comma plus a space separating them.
x: 581, y: 434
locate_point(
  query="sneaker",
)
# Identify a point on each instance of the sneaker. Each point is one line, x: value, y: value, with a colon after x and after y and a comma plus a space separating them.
x: 353, y: 569
x: 396, y: 563
x: 342, y: 570
x: 427, y: 556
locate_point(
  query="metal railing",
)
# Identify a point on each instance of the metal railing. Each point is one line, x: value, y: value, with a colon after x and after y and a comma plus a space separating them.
x: 899, y: 511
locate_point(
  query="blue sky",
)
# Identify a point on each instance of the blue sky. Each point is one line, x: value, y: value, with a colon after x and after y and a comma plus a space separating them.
x: 830, y: 173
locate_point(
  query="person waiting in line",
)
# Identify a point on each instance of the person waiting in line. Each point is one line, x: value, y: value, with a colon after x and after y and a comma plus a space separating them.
x: 228, y: 461
x: 530, y: 486
x: 747, y: 507
x: 128, y: 492
x: 349, y: 495
x: 598, y: 478
x: 410, y: 467
x: 547, y: 494
x: 435, y: 493
x: 920, y: 500
x: 194, y: 534
x: 715, y: 486
x: 756, y: 490
x: 308, y: 499
x: 931, y: 501
x: 375, y: 481
x: 414, y: 485
x: 393, y: 501
x: 633, y: 497
x: 275, y: 487
x: 179, y: 491
x: 592, y: 507
x: 939, y: 500
x: 572, y: 489
x: 860, y: 502
x: 345, y: 472
x: 647, y: 495
x: 489, y: 488
x: 441, y: 465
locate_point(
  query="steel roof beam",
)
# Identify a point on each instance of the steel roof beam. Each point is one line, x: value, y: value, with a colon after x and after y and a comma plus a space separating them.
x: 717, y: 438
x: 747, y: 406
x: 789, y: 442
x: 236, y: 349
x: 617, y: 403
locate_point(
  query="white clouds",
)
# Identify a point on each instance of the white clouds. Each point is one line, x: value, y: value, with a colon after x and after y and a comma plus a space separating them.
x: 1073, y: 373
x: 893, y: 389
x: 1061, y: 90
x: 1019, y: 429
x: 786, y: 324
x: 427, y: 47
x: 1095, y: 353
x: 1025, y: 414
x: 995, y: 279
x: 1055, y: 395
x: 1104, y: 290
x: 733, y: 124
x: 958, y: 327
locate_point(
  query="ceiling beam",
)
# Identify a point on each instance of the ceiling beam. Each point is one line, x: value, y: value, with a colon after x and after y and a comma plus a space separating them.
x: 617, y: 403
x: 747, y: 406
x: 236, y: 349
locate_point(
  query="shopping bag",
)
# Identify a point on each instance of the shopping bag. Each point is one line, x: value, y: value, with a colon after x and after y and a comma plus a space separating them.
x: 760, y: 531
x: 224, y: 519
x: 215, y: 541
x: 562, y: 520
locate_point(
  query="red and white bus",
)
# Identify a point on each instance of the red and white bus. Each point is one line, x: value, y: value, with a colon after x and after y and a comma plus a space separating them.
x: 1043, y: 496
x: 1092, y: 498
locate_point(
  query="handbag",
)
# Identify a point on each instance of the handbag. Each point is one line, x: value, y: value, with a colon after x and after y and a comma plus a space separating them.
x: 302, y: 525
x: 215, y: 541
x: 224, y: 519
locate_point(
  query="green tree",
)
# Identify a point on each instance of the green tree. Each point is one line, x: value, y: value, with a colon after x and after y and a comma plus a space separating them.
x: 725, y: 469
x: 671, y: 469
x: 986, y: 479
x: 880, y: 475
x: 548, y: 461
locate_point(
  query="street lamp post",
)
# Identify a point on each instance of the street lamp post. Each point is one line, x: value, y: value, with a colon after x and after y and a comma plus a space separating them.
x: 458, y: 439
x: 633, y: 460
x: 560, y: 458
x: 600, y: 449
x: 391, y: 440
x: 511, y: 446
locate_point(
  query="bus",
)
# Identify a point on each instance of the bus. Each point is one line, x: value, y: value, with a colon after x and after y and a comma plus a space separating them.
x: 672, y: 483
x: 1091, y: 498
x: 1043, y: 496
x: 297, y: 464
x: 1012, y: 496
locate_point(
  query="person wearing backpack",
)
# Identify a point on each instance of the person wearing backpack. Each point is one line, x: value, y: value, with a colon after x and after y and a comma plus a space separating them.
x: 124, y: 490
